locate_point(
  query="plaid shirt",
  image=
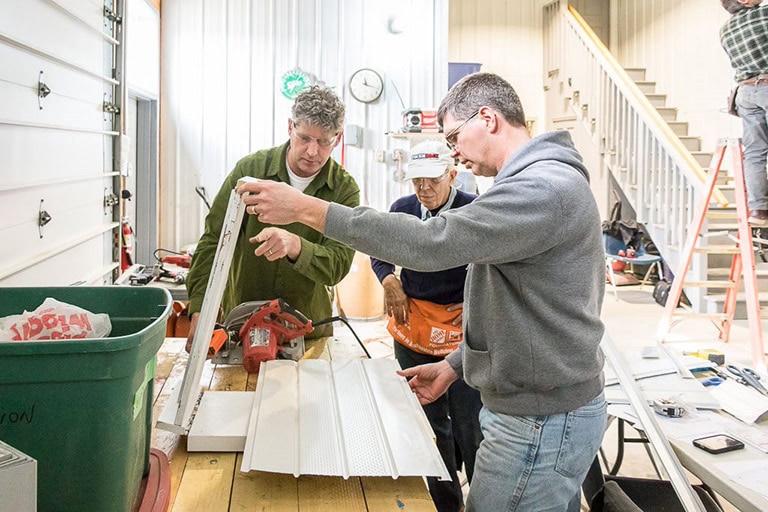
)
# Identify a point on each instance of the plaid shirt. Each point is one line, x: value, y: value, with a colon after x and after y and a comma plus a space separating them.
x: 745, y: 39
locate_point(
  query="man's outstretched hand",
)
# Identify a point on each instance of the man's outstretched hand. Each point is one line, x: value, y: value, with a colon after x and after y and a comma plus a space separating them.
x: 430, y: 381
x: 280, y: 204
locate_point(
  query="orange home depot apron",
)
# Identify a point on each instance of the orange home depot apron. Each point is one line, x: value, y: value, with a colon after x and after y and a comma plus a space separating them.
x: 429, y: 330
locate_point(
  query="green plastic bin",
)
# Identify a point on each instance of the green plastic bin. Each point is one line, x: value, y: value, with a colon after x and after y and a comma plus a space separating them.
x: 83, y: 408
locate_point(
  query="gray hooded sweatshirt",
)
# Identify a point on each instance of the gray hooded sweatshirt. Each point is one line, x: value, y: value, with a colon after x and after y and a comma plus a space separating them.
x: 535, y: 283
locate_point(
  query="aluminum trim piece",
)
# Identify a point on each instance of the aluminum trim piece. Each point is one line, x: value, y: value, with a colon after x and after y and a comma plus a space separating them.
x: 344, y: 418
x: 182, y: 405
x: 688, y: 497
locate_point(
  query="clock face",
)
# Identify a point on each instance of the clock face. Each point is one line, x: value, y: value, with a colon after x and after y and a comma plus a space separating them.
x: 366, y: 85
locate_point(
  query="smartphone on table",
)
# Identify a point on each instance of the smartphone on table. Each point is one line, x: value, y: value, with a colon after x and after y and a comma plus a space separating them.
x: 719, y: 443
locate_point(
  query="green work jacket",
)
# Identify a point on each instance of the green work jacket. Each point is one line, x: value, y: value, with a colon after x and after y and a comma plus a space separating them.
x: 304, y: 284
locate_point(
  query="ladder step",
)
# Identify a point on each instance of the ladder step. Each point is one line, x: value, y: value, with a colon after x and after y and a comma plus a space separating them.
x: 709, y: 284
x: 722, y: 214
x: 725, y: 272
x: 717, y: 249
x: 708, y: 316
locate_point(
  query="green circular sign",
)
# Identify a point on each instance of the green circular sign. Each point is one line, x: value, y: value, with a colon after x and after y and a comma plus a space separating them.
x: 293, y: 82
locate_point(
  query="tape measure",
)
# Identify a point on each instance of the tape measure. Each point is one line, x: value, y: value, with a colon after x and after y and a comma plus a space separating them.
x: 668, y: 408
x: 715, y: 356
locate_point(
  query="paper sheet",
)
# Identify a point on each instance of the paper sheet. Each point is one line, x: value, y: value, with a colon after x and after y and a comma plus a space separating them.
x: 643, y: 368
x: 699, y: 424
x: 742, y: 401
x: 751, y: 474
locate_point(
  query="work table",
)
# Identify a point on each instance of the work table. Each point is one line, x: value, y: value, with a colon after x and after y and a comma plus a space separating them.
x: 212, y: 481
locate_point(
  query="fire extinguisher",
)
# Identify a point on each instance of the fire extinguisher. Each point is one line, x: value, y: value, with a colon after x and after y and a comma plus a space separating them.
x: 126, y: 254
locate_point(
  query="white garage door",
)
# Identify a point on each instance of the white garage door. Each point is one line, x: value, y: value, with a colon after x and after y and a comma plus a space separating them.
x: 60, y: 76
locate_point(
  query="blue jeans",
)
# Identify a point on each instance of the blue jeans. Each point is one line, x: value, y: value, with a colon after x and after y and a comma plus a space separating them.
x: 752, y: 104
x: 535, y: 463
x: 455, y: 419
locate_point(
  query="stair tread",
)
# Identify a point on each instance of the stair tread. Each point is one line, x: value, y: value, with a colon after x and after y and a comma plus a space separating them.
x: 709, y: 284
x: 741, y: 296
x: 717, y: 249
x: 715, y: 316
x: 725, y: 271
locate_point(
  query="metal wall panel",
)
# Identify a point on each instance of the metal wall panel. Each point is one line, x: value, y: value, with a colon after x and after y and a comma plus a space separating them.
x: 222, y: 66
x: 56, y: 154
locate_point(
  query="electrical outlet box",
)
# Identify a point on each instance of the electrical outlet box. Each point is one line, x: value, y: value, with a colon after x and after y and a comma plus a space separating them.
x: 352, y: 135
x: 378, y: 155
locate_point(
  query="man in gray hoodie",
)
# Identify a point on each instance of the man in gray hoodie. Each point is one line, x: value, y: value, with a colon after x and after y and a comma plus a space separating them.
x: 532, y: 298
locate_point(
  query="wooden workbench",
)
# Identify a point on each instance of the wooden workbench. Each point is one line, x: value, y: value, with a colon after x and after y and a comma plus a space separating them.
x: 212, y: 482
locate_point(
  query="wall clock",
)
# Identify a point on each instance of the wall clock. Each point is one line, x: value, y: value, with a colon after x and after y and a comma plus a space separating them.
x: 366, y: 85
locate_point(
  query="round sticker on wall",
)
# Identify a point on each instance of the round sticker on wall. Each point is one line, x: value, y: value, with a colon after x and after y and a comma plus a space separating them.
x: 293, y: 82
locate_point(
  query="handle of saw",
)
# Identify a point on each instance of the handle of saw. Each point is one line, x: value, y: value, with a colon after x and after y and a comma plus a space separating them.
x: 218, y: 339
x: 296, y: 316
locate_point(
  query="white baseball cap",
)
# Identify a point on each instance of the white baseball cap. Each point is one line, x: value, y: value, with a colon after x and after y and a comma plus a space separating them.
x: 429, y: 159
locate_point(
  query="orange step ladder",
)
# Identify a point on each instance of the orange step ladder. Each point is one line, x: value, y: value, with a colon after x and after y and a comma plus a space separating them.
x: 743, y: 261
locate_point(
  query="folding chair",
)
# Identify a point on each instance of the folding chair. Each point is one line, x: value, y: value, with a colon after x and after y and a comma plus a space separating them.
x: 608, y: 493
x: 612, y: 248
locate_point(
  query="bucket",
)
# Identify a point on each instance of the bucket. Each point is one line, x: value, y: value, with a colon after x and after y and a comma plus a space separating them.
x: 83, y: 408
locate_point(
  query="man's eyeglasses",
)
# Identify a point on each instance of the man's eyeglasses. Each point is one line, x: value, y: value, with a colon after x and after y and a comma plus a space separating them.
x: 420, y: 182
x: 450, y: 137
x: 306, y: 139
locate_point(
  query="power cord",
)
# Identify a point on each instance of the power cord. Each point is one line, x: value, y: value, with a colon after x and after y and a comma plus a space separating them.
x: 342, y: 319
x: 156, y: 253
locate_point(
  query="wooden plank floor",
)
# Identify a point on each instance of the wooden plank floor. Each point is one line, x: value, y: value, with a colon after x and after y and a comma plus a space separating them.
x: 212, y: 481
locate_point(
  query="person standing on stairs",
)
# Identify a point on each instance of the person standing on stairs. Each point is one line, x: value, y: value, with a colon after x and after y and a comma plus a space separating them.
x: 532, y: 299
x: 425, y: 310
x: 745, y: 39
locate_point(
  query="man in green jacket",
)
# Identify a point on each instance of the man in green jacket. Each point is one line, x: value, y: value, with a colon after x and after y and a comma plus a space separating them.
x: 295, y: 263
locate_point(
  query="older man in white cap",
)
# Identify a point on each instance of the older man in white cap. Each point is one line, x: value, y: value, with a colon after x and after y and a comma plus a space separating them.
x: 425, y: 310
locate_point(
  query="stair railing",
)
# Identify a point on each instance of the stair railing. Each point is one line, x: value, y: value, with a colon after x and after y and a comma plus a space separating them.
x: 656, y: 172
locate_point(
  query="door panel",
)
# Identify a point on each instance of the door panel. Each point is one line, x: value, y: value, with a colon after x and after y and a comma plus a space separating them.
x: 30, y: 156
x: 58, y: 154
x: 22, y: 68
x: 39, y: 24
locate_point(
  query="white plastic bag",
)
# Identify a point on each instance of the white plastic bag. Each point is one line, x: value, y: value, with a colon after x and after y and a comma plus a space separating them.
x: 54, y: 320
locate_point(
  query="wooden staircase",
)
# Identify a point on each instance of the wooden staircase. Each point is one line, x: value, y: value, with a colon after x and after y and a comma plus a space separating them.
x: 721, y: 221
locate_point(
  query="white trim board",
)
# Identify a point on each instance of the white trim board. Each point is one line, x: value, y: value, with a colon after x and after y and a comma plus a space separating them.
x: 221, y: 422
